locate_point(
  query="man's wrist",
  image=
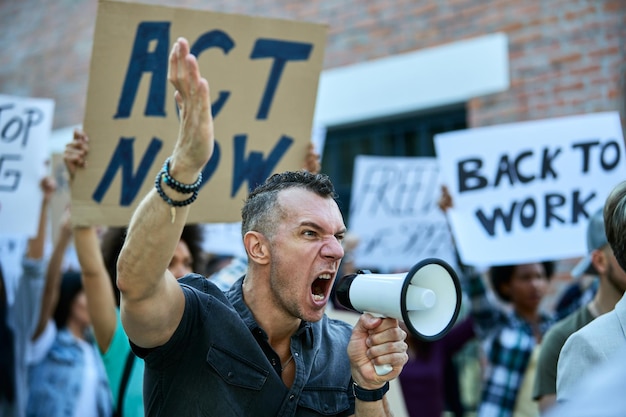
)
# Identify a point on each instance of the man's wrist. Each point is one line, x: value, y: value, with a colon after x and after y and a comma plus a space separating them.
x: 369, y: 395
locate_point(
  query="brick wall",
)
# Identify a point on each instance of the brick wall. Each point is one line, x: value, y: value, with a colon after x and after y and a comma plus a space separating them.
x: 566, y: 56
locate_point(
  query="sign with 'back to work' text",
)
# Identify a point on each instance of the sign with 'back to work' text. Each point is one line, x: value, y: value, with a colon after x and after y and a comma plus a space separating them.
x: 25, y: 126
x: 524, y: 192
x: 394, y: 213
x: 263, y: 76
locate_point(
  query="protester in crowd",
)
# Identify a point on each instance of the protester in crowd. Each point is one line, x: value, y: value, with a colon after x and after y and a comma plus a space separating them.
x: 599, y: 261
x: 600, y: 340
x: 18, y: 320
x: 70, y: 380
x: 264, y: 347
x: 510, y: 330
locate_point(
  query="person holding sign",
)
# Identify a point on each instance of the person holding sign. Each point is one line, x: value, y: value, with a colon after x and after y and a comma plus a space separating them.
x: 265, y: 347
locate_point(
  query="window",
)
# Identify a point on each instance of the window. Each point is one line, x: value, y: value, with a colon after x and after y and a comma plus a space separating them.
x: 406, y: 136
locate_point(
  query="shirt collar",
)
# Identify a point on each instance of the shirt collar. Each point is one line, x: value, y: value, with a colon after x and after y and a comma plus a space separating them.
x: 235, y: 295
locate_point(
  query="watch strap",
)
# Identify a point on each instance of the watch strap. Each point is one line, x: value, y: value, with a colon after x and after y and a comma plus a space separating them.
x: 369, y: 394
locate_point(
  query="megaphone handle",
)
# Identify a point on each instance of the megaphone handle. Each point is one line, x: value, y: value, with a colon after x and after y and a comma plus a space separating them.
x: 386, y: 368
x: 383, y: 369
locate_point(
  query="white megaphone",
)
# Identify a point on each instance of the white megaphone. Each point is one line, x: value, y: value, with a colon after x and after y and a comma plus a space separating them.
x: 427, y: 298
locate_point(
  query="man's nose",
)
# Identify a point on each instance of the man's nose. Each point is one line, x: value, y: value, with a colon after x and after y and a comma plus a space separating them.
x: 332, y: 249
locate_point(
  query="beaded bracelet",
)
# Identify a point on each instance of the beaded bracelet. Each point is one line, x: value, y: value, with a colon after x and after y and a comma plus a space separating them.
x: 177, y: 185
x: 173, y: 203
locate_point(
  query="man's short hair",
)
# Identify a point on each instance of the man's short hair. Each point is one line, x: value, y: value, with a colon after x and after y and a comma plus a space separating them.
x: 261, y: 206
x: 615, y: 222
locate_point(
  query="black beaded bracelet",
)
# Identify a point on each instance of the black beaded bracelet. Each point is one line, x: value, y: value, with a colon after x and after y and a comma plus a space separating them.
x: 369, y: 394
x: 177, y: 185
x: 169, y: 201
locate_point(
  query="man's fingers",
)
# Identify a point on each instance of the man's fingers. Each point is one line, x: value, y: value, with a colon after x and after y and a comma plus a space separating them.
x: 384, y: 335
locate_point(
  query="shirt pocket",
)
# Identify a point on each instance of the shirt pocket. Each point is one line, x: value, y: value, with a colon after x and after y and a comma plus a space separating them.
x: 327, y: 401
x: 236, y: 370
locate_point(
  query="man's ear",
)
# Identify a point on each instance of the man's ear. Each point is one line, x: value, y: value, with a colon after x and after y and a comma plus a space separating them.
x: 599, y: 261
x: 257, y: 247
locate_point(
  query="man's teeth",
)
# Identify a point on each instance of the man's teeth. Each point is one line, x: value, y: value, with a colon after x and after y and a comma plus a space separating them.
x: 318, y: 292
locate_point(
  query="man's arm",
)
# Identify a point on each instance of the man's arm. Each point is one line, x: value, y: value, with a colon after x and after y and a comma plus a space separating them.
x: 152, y: 302
x: 375, y: 341
x: 27, y: 302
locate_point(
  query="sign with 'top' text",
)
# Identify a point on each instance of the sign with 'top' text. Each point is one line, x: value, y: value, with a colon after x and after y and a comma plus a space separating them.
x: 25, y: 126
x: 263, y: 76
x: 524, y: 192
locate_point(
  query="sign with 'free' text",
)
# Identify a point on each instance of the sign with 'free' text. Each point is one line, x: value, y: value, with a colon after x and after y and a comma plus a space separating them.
x: 25, y: 126
x: 524, y: 192
x: 394, y: 213
x: 263, y: 75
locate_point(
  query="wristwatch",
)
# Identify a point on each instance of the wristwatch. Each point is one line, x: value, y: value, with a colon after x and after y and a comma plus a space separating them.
x: 369, y: 394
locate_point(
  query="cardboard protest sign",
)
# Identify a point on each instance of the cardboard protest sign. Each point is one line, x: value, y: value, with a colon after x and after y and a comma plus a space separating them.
x: 263, y: 74
x: 394, y: 213
x: 523, y: 192
x: 25, y: 126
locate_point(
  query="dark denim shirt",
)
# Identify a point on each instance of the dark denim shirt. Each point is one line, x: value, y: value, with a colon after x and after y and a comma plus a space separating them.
x: 214, y: 365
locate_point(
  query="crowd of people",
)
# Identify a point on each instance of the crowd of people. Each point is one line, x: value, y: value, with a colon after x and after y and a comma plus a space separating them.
x: 148, y: 326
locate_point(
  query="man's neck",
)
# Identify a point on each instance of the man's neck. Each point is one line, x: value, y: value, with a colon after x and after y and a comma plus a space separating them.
x: 605, y: 299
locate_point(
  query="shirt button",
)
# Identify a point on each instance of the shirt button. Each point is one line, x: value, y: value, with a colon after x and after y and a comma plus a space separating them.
x: 291, y: 397
x: 295, y: 354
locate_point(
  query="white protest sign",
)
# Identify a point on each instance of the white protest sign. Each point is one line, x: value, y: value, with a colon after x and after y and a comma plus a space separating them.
x: 12, y: 248
x: 523, y: 192
x: 25, y: 126
x: 223, y: 239
x: 394, y: 213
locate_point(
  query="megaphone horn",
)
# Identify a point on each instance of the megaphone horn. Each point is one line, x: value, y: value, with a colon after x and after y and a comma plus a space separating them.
x: 427, y: 298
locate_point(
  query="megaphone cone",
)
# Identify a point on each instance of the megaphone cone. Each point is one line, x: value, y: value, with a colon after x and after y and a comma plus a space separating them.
x: 427, y: 298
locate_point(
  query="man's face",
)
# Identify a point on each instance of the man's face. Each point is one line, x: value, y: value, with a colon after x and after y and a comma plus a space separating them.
x: 305, y: 253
